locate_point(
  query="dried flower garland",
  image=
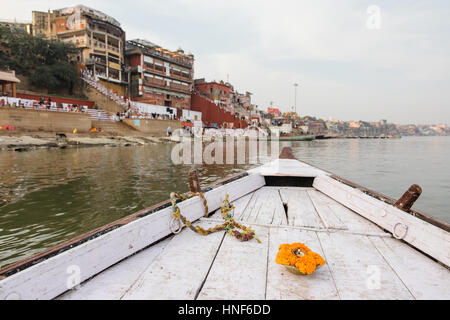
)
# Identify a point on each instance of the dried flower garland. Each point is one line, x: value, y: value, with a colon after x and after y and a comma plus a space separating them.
x: 298, y: 255
x: 229, y: 225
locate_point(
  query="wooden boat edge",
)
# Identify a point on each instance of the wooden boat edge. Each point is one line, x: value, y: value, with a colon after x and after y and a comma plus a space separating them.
x: 78, y: 240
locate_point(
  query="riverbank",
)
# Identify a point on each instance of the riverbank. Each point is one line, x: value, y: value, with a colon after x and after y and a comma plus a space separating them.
x: 19, y: 142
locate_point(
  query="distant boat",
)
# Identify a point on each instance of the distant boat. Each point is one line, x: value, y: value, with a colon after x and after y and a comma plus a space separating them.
x: 297, y: 138
x: 294, y: 138
x: 322, y: 137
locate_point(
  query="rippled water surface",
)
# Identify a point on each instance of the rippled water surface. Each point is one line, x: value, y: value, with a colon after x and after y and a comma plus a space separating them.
x: 47, y: 196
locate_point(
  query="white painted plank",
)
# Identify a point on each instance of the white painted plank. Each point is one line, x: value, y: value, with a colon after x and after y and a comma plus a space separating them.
x: 424, y: 278
x: 239, y: 204
x: 265, y: 207
x: 114, y: 282
x: 282, y: 284
x: 421, y: 234
x: 328, y: 217
x: 179, y: 272
x: 359, y: 271
x: 289, y: 188
x: 288, y: 167
x: 48, y: 279
x: 300, y: 209
x: 253, y: 207
x: 353, y: 221
x: 279, y: 214
x: 239, y: 270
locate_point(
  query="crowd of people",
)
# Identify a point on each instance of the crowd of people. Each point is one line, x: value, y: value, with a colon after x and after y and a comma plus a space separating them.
x: 41, y: 104
x: 132, y: 109
x: 90, y: 78
x: 136, y: 114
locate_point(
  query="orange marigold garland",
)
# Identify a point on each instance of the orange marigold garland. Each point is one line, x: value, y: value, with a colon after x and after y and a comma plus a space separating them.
x: 298, y: 255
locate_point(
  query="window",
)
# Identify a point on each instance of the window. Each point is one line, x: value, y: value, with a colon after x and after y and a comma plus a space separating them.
x: 148, y: 59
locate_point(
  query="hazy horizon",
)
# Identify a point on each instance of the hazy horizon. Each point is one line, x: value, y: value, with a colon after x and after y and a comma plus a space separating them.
x: 353, y: 60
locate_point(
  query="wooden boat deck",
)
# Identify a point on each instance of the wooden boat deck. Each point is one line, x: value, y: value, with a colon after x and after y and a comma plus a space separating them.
x: 372, y: 249
x: 362, y: 260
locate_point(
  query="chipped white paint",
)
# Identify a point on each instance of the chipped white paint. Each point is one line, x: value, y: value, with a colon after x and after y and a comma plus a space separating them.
x: 114, y: 282
x: 179, y: 272
x: 264, y: 207
x: 322, y: 205
x: 239, y: 270
x: 424, y: 278
x: 358, y: 270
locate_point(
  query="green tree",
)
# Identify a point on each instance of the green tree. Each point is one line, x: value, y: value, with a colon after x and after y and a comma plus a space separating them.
x: 46, y: 62
x: 55, y: 76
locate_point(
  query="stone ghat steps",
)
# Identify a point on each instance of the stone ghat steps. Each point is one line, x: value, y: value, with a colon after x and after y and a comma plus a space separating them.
x: 103, y: 101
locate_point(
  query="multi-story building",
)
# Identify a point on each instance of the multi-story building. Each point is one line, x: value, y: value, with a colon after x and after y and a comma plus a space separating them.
x: 160, y: 76
x: 243, y: 100
x: 219, y: 92
x: 224, y: 96
x: 99, y: 36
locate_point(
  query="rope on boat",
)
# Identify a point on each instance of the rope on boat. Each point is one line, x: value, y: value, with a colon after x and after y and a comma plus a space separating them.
x: 230, y: 225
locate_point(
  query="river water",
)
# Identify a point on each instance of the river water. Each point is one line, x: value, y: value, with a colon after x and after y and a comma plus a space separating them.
x: 51, y: 195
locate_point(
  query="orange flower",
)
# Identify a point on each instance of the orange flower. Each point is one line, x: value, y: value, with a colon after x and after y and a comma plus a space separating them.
x: 299, y: 256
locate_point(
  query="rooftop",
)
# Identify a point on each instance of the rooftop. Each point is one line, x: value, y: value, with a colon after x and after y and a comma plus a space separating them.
x: 83, y: 9
x: 150, y: 45
x: 9, y: 76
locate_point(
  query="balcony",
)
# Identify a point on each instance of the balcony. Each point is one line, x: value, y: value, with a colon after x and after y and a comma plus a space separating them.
x: 180, y: 87
x: 162, y: 84
x: 114, y: 49
x: 159, y: 82
x: 99, y: 44
x: 154, y: 82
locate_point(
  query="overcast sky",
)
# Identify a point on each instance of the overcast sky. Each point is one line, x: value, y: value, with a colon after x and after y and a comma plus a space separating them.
x: 349, y: 64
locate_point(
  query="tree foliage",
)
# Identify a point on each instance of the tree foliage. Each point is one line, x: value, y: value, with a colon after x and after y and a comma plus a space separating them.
x: 46, y: 62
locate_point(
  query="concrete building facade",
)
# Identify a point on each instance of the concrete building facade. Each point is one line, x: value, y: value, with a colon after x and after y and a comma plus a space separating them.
x: 224, y: 96
x: 219, y: 92
x: 159, y: 76
x: 99, y: 36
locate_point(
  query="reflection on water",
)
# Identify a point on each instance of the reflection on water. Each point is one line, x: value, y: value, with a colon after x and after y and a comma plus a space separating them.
x: 54, y: 195
x: 48, y: 196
